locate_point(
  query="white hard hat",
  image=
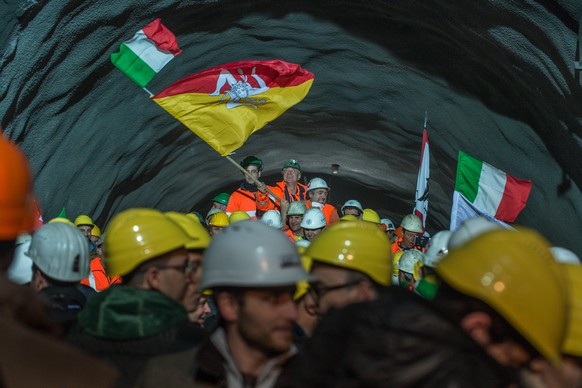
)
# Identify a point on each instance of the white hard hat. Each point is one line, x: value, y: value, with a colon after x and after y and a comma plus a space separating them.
x: 471, y: 229
x: 60, y: 251
x: 437, y: 248
x: 313, y: 219
x: 272, y: 218
x: 303, y: 243
x: 408, y: 259
x: 389, y: 224
x: 20, y: 270
x: 251, y: 254
x: 563, y: 255
x: 317, y: 183
x: 412, y: 223
x: 297, y: 208
x: 352, y: 203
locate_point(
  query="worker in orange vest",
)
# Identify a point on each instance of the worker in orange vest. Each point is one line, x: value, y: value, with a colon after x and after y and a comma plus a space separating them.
x: 98, y: 279
x: 317, y: 191
x: 244, y: 197
x: 411, y: 227
x: 289, y: 189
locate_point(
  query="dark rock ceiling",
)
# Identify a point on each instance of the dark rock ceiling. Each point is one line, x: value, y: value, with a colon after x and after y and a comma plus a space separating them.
x: 497, y: 79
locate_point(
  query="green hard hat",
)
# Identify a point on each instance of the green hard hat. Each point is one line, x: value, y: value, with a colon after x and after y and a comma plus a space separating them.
x: 222, y: 198
x: 293, y: 164
x: 252, y: 160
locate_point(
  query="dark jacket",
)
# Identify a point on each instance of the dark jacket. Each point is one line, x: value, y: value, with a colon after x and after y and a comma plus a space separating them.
x: 63, y: 304
x: 399, y: 340
x: 127, y: 326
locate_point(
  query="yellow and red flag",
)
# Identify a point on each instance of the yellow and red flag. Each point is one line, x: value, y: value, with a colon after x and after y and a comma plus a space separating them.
x: 224, y: 105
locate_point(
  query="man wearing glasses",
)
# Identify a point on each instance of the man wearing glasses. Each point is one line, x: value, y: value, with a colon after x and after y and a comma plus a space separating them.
x: 129, y: 323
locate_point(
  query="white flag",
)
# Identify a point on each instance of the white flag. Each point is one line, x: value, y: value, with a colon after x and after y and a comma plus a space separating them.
x: 422, y: 189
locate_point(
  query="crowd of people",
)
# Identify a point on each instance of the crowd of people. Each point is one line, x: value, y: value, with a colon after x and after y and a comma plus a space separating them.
x: 276, y: 287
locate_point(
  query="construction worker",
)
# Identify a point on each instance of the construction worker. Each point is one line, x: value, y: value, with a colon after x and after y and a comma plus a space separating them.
x: 313, y: 223
x: 389, y: 229
x: 408, y: 268
x: 238, y: 215
x: 252, y: 270
x: 352, y: 263
x: 217, y: 223
x: 370, y: 215
x: 411, y: 228
x: 437, y: 248
x: 243, y: 198
x: 272, y: 218
x: 318, y: 191
x: 294, y: 218
x: 220, y: 201
x: 85, y: 224
x: 470, y: 229
x: 144, y: 316
x: 95, y: 234
x: 289, y: 189
x: 60, y: 257
x: 352, y: 207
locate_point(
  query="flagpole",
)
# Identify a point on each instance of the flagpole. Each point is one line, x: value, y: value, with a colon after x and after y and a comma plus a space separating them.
x: 257, y: 182
x: 148, y: 92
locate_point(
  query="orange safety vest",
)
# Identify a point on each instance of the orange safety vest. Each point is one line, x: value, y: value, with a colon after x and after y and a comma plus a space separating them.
x: 330, y: 212
x: 242, y: 200
x: 98, y: 279
x: 265, y: 202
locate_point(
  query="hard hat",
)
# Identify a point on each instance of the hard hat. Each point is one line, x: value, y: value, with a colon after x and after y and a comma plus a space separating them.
x: 238, y: 215
x: 566, y: 256
x: 83, y: 220
x: 313, y: 219
x: 348, y: 217
x: 61, y: 252
x: 388, y: 223
x: 353, y: 203
x: 470, y: 229
x: 137, y: 235
x: 507, y: 268
x: 395, y: 261
x: 303, y: 244
x: 573, y: 336
x: 408, y: 260
x: 251, y: 254
x: 252, y: 160
x: 303, y: 285
x: 212, y: 212
x: 292, y: 163
x: 222, y: 198
x: 96, y: 231
x: 16, y: 197
x: 199, y: 237
x: 317, y: 183
x: 272, y: 218
x: 412, y: 223
x: 370, y: 215
x: 61, y: 219
x: 219, y: 219
x: 20, y: 270
x: 296, y: 208
x: 437, y: 248
x: 358, y: 246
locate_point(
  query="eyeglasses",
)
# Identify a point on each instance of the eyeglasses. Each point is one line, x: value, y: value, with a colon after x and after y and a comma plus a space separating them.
x: 317, y: 291
x: 187, y: 268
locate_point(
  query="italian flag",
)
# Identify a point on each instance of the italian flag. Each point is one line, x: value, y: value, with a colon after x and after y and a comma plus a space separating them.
x: 488, y: 190
x: 144, y: 55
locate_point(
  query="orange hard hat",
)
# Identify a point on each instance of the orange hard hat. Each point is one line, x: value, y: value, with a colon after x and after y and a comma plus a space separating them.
x: 16, y: 196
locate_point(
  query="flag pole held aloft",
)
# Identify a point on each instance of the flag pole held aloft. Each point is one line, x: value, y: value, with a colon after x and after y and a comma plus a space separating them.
x: 257, y: 182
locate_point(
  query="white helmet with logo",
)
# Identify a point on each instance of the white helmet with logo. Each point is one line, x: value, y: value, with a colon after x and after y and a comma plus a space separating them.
x: 409, y: 259
x: 412, y: 223
x: 388, y: 222
x: 272, y: 218
x: 317, y: 183
x: 313, y: 219
x: 60, y: 251
x: 352, y: 203
x: 297, y: 208
x: 251, y: 254
x: 437, y: 248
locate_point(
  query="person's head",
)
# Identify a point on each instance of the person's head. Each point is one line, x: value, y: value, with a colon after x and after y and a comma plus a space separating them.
x: 411, y: 227
x: 220, y: 201
x: 489, y: 286
x: 60, y: 256
x: 238, y: 215
x: 16, y: 199
x: 95, y: 234
x: 217, y: 223
x: 352, y: 207
x: 291, y: 171
x: 295, y: 215
x: 313, y: 223
x: 85, y: 224
x: 252, y: 270
x: 437, y: 248
x: 371, y: 216
x: 254, y: 166
x: 408, y: 268
x: 389, y: 228
x: 470, y: 229
x: 272, y: 218
x: 318, y: 190
x: 352, y: 261
x: 148, y: 250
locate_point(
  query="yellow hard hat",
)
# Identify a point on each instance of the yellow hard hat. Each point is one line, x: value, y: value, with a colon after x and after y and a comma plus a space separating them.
x: 573, y: 340
x: 137, y: 235
x: 348, y: 217
x: 62, y: 219
x: 96, y: 231
x: 355, y: 245
x: 219, y: 219
x: 238, y: 215
x: 83, y: 220
x: 395, y: 261
x: 303, y: 285
x: 199, y: 237
x: 508, y: 269
x: 370, y: 215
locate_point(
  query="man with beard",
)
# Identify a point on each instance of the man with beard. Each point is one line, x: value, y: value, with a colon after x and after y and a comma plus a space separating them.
x: 252, y: 270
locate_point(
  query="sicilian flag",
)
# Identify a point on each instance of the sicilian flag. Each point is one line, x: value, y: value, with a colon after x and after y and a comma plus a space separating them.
x: 144, y: 55
x: 422, y: 188
x: 484, y: 189
x: 224, y: 105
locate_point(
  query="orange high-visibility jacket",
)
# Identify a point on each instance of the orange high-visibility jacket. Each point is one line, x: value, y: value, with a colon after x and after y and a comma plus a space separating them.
x: 330, y: 212
x: 265, y: 202
x: 98, y: 279
x: 243, y: 200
